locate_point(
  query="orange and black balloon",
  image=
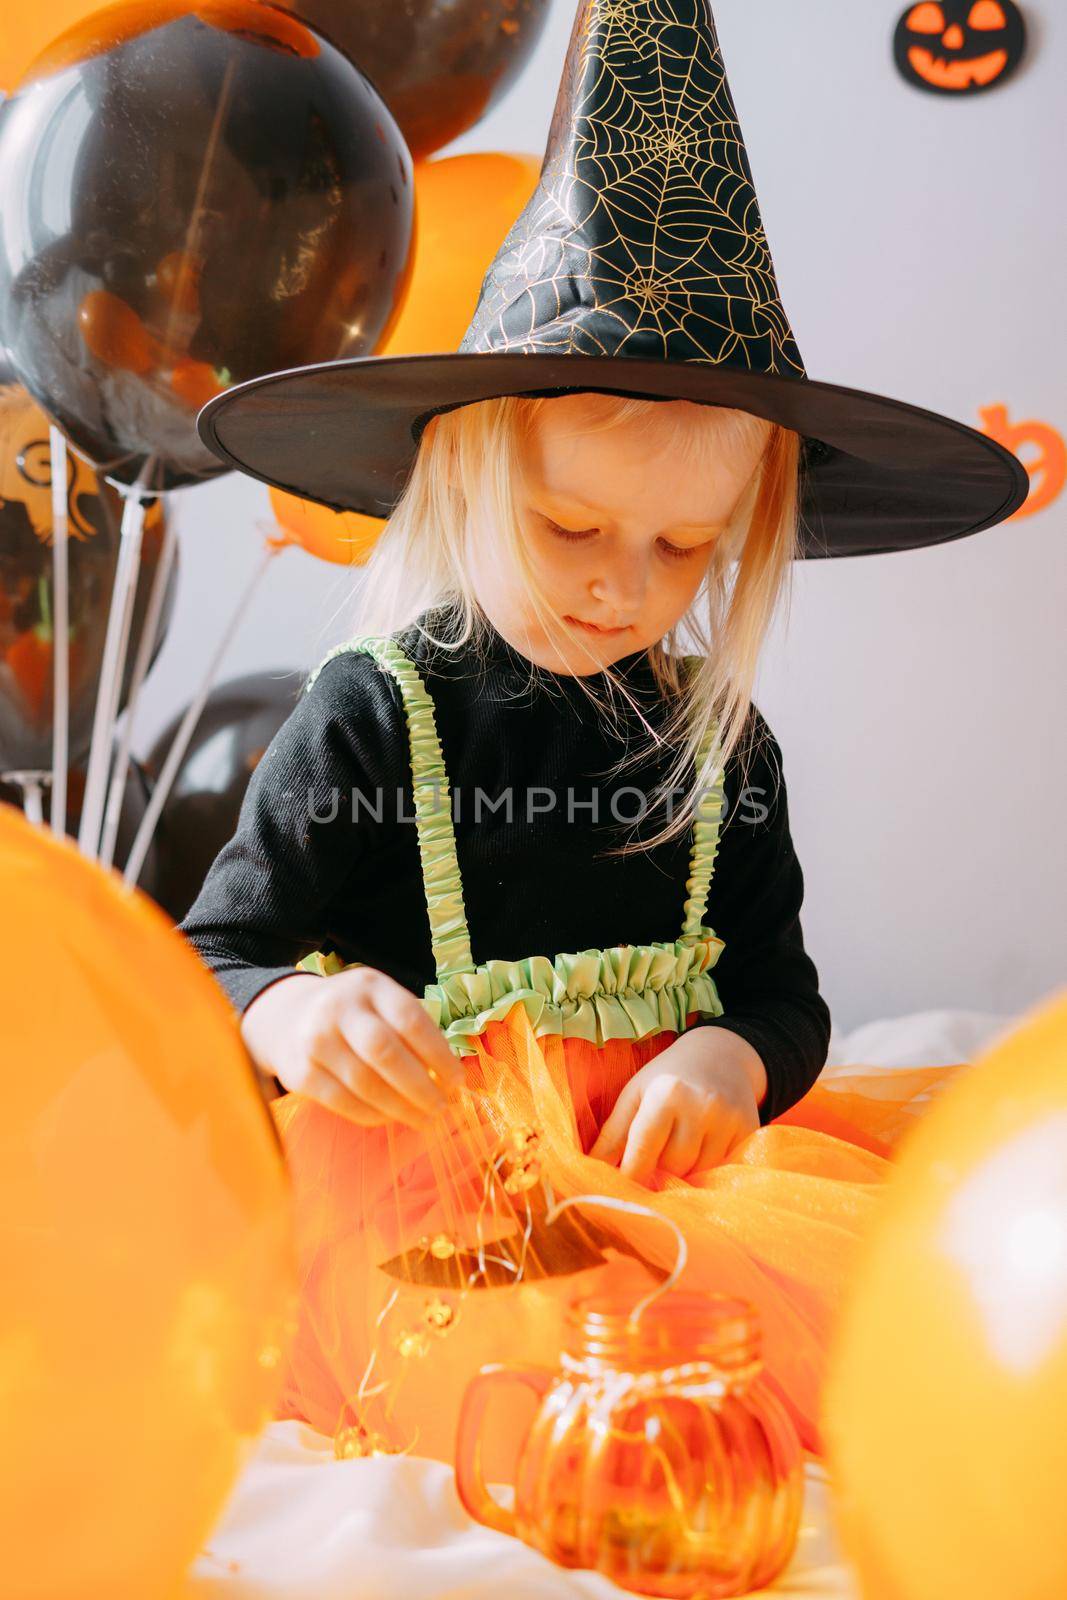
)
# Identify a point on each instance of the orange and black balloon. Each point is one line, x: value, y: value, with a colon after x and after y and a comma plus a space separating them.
x: 439, y: 65
x: 203, y: 194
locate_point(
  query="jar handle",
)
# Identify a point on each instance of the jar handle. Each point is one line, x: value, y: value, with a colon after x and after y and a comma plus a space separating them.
x: 470, y: 1484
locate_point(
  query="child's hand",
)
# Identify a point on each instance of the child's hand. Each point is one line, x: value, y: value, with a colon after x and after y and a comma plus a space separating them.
x: 357, y: 1041
x: 686, y: 1108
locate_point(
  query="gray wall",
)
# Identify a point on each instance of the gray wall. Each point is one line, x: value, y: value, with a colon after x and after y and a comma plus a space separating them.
x: 920, y: 244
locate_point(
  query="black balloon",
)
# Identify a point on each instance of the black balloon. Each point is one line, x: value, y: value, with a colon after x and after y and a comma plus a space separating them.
x: 238, y: 722
x: 190, y: 198
x: 440, y: 65
x: 135, y: 800
x: 27, y: 601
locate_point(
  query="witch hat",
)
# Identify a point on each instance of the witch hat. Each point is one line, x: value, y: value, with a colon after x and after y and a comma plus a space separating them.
x: 639, y: 267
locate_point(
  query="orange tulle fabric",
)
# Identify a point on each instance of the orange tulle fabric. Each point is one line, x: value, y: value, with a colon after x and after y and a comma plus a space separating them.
x: 423, y: 1256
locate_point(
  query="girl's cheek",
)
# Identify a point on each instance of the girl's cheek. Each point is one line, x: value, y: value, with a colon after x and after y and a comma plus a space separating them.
x: 545, y: 555
x: 689, y: 576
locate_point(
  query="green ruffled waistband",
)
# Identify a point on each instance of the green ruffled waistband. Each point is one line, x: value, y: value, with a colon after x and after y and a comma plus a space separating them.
x: 624, y: 992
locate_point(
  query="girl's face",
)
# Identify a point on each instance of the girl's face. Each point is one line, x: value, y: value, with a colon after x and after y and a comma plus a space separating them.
x: 619, y: 529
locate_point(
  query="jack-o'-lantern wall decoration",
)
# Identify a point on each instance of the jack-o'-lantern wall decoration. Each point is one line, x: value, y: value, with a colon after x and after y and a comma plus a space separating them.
x: 959, y: 46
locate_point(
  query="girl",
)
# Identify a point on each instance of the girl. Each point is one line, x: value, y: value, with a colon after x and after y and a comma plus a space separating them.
x: 532, y: 862
x: 568, y: 981
x: 522, y: 589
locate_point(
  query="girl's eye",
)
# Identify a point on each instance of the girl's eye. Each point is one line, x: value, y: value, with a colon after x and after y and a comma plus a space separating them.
x: 673, y: 552
x: 568, y: 533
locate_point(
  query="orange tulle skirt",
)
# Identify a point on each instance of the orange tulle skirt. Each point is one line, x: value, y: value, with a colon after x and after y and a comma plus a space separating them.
x: 423, y: 1256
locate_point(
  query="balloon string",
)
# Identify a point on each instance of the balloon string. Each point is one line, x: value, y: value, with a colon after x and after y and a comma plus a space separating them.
x: 180, y: 743
x: 116, y: 640
x: 60, y: 629
x: 635, y: 1209
x: 146, y: 644
x: 32, y: 803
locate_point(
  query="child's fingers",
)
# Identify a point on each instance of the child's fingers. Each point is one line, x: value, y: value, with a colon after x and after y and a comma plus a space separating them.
x: 715, y: 1147
x: 682, y: 1149
x: 396, y: 1075
x: 325, y: 1086
x: 650, y: 1130
x: 330, y: 1051
x: 406, y: 1013
x: 734, y: 1132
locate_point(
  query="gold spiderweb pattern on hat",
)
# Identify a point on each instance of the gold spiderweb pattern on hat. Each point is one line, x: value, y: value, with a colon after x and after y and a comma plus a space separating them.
x: 644, y: 236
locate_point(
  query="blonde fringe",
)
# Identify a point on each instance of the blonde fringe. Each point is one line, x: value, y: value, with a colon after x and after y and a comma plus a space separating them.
x: 463, y: 495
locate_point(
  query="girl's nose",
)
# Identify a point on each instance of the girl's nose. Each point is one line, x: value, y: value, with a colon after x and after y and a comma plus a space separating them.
x: 621, y: 591
x: 953, y: 39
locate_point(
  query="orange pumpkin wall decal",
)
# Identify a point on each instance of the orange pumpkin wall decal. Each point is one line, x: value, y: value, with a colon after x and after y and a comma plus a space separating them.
x: 1048, y: 471
x: 959, y: 46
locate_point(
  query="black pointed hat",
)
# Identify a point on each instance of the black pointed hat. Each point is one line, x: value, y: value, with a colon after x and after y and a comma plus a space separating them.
x: 639, y: 267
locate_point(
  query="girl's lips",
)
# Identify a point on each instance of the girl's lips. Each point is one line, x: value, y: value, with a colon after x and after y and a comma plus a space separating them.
x: 592, y: 627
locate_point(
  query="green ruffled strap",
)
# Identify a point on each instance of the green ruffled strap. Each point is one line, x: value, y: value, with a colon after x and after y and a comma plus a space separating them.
x: 449, y: 936
x: 625, y: 992
x: 706, y: 825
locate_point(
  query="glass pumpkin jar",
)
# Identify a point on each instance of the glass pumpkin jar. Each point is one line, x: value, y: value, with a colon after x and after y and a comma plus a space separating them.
x: 658, y: 1456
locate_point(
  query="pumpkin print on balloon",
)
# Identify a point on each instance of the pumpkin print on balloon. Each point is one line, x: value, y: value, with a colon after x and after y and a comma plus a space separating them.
x: 959, y: 46
x: 94, y: 513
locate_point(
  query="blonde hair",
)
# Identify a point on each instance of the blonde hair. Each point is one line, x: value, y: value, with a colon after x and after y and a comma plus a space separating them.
x: 466, y: 482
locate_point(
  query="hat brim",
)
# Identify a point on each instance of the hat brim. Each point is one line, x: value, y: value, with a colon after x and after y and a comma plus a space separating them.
x: 879, y: 474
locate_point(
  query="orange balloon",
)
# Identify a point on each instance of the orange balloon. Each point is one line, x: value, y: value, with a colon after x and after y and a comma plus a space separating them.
x: 466, y: 206
x: 26, y: 30
x: 488, y: 190
x: 342, y: 536
x: 68, y: 31
x: 946, y: 1403
x: 145, y: 1236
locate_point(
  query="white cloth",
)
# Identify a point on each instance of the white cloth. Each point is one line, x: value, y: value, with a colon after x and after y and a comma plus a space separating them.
x: 922, y: 1039
x: 301, y: 1525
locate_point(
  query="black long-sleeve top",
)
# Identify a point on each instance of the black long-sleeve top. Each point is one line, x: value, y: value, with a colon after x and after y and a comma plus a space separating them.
x: 311, y: 866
